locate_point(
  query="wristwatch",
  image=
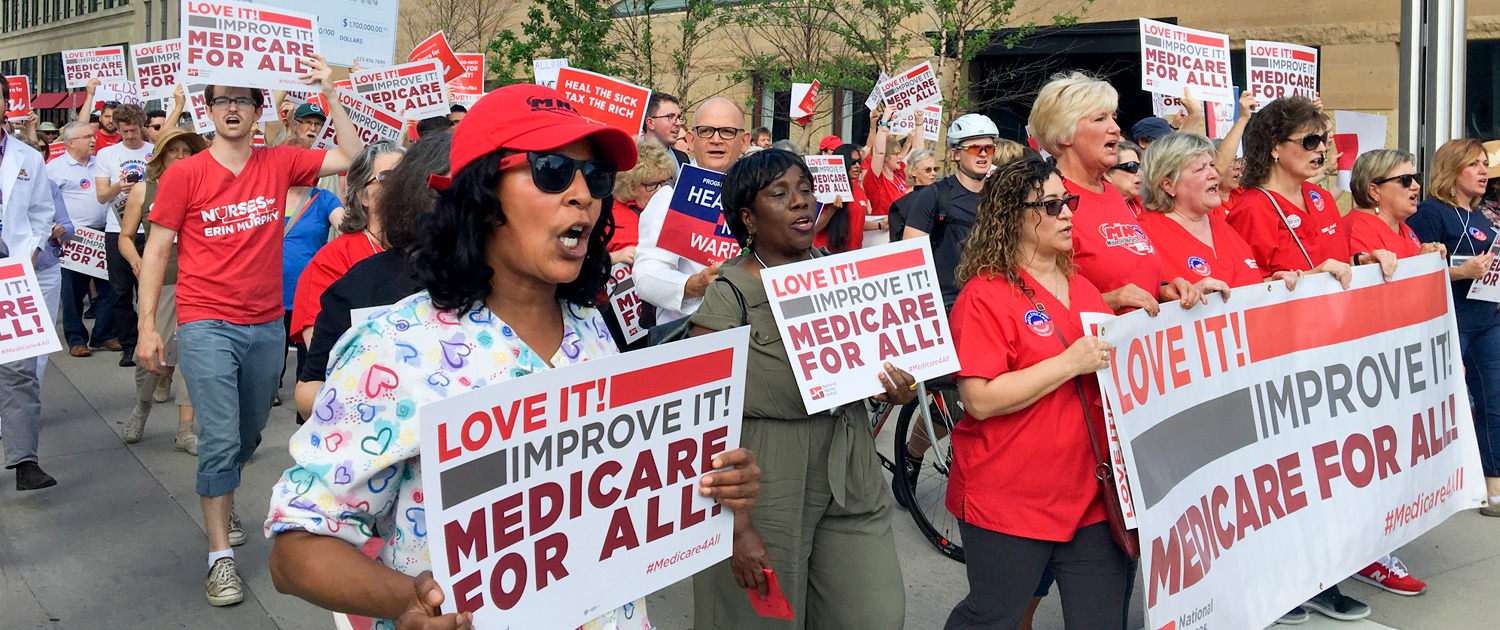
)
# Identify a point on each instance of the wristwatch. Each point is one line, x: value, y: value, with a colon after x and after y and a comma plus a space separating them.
x: 1355, y: 260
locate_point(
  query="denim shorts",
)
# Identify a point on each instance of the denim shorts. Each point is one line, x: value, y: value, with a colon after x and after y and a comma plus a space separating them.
x: 233, y: 371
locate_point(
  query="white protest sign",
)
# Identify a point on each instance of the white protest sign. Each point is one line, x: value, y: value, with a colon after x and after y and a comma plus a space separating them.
x: 26, y: 328
x: 830, y: 178
x: 1265, y: 465
x: 842, y: 317
x: 241, y: 44
x: 410, y: 90
x: 1274, y: 70
x: 1166, y: 105
x: 117, y: 92
x: 158, y: 67
x: 467, y: 89
x: 351, y: 30
x: 913, y: 89
x: 558, y: 496
x: 327, y: 137
x: 932, y: 123
x: 545, y: 70
x: 1487, y: 287
x: 1368, y: 129
x: 197, y: 105
x: 85, y: 253
x: 804, y: 100
x: 372, y: 122
x: 1176, y: 57
x: 627, y: 306
x: 93, y: 63
x: 874, y: 98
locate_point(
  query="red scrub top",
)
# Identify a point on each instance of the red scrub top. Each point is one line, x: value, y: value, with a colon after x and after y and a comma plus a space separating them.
x: 1255, y: 218
x: 1029, y: 473
x: 1368, y: 233
x: 1183, y: 255
x: 1109, y: 247
x: 858, y: 208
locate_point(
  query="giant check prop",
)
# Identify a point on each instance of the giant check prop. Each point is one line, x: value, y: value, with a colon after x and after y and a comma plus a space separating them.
x: 1281, y: 441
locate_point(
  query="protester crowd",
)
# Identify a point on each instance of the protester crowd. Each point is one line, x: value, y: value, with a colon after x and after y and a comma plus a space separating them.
x: 504, y: 228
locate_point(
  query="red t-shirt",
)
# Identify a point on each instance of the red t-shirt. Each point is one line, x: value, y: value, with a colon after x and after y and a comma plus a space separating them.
x: 1136, y: 208
x: 1029, y: 473
x: 882, y: 191
x: 1109, y: 247
x: 1255, y: 218
x: 1183, y: 255
x: 1222, y: 211
x: 329, y: 264
x: 229, y: 231
x: 102, y: 140
x: 1368, y: 233
x: 627, y: 227
x: 857, y: 210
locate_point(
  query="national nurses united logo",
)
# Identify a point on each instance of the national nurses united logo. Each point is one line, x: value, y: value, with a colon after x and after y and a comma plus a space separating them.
x: 1199, y: 266
x: 1478, y: 234
x: 1039, y: 323
x: 1128, y: 236
x: 1317, y: 199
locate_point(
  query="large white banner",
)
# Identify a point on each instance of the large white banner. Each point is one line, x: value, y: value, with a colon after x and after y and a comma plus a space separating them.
x: 26, y: 328
x: 1280, y: 442
x: 556, y: 497
x: 351, y: 30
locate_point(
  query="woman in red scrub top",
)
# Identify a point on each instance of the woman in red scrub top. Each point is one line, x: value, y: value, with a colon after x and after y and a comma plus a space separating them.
x: 1023, y: 485
x: 1386, y: 189
x: 1181, y: 191
x: 1074, y: 119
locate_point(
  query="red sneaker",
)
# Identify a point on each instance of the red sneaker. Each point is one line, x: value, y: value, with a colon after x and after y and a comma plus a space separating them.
x: 1390, y: 574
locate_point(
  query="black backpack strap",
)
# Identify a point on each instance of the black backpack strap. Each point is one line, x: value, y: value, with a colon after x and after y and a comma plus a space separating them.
x: 944, y: 195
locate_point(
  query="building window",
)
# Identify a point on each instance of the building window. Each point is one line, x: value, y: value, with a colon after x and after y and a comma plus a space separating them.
x: 28, y: 68
x: 53, y: 79
x: 8, y: 67
x: 148, y: 21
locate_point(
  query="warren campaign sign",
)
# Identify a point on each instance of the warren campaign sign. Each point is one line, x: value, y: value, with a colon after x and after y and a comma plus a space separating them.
x: 1281, y: 441
x: 560, y: 495
x: 236, y: 43
x: 694, y: 228
x: 436, y: 47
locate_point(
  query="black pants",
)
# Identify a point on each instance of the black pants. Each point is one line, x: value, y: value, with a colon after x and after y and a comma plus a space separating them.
x: 301, y: 360
x: 1093, y: 577
x: 122, y: 283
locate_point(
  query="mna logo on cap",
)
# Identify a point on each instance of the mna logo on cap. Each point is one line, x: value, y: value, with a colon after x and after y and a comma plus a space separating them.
x: 551, y: 105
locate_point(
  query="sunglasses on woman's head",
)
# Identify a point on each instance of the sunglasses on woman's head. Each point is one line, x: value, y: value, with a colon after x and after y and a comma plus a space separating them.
x: 553, y: 172
x: 1406, y: 180
x: 1309, y: 141
x: 1128, y: 167
x: 1053, y: 207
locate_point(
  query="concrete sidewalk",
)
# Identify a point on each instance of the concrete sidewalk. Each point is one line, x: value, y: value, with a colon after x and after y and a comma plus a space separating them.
x: 119, y: 542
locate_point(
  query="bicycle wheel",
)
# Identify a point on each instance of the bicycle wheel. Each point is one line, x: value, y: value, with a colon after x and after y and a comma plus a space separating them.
x: 926, y: 498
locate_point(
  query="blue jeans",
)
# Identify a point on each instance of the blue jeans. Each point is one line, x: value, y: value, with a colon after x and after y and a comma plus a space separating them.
x: 1481, y: 352
x: 75, y: 286
x: 233, y: 372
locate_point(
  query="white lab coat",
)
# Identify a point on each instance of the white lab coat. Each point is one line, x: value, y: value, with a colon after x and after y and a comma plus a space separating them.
x: 661, y: 276
x: 26, y: 193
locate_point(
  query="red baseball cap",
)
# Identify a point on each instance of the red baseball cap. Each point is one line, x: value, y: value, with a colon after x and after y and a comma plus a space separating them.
x: 528, y: 117
x: 829, y: 143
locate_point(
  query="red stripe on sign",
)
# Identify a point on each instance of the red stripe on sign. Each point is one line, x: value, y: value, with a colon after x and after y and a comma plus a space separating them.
x: 426, y: 67
x: 1302, y: 55
x: 1204, y: 40
x: 1282, y: 329
x: 647, y: 383
x: 889, y: 262
x: 109, y: 51
x: 276, y: 18
x: 12, y: 271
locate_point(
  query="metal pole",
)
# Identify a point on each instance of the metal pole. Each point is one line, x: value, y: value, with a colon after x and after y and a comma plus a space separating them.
x: 1458, y: 68
x: 1409, y: 99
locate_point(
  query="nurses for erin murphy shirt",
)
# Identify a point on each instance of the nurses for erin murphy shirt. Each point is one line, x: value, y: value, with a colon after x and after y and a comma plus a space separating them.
x: 229, y: 231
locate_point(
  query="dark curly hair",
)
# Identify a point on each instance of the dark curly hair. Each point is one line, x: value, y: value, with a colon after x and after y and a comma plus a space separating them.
x: 405, y: 195
x: 993, y: 246
x: 449, y: 261
x: 746, y: 178
x: 1271, y: 125
x: 838, y: 230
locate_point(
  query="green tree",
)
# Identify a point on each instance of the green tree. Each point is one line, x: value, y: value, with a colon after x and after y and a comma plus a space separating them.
x: 966, y: 28
x: 580, y: 30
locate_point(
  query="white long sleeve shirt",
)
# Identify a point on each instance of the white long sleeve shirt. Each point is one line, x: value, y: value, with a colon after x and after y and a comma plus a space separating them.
x: 661, y: 276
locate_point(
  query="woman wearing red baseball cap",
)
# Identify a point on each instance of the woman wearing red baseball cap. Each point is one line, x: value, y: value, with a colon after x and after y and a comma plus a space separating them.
x: 511, y: 262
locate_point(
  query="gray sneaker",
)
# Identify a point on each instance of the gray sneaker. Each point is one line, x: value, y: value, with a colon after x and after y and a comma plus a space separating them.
x: 1337, y: 605
x: 136, y: 425
x: 1296, y: 617
x: 187, y: 443
x: 236, y: 530
x: 163, y: 389
x: 223, y: 586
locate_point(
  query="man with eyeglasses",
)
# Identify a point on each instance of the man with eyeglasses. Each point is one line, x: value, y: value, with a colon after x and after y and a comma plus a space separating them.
x: 664, y: 122
x: 671, y: 283
x: 225, y: 209
x: 116, y: 171
x: 946, y: 210
x: 73, y: 173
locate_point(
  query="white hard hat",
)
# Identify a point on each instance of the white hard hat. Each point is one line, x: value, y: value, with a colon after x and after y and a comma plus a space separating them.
x: 971, y: 126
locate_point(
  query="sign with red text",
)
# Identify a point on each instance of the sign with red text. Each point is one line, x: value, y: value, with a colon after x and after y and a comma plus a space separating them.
x: 197, y: 105
x: 1280, y: 443
x: 605, y: 100
x: 804, y: 100
x: 874, y: 98
x: 246, y: 45
x: 410, y: 90
x: 556, y: 497
x: 107, y: 63
x: 26, y: 328
x: 85, y: 253
x: 17, y: 97
x: 1176, y: 57
x: 436, y: 47
x: 913, y: 89
x: 1274, y: 70
x: 843, y: 317
x: 327, y: 139
x: 467, y: 89
x: 1487, y: 287
x: 371, y: 122
x: 830, y: 178
x: 694, y: 227
x: 158, y: 66
x: 55, y: 150
x: 626, y: 305
x: 932, y: 123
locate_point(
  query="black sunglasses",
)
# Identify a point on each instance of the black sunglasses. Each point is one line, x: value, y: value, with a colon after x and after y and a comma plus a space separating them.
x: 1053, y: 207
x: 1406, y: 180
x: 1310, y: 141
x: 1128, y: 167
x: 553, y: 172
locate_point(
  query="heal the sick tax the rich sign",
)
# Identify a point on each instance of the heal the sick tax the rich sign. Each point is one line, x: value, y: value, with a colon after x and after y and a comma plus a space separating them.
x: 557, y: 496
x: 842, y: 317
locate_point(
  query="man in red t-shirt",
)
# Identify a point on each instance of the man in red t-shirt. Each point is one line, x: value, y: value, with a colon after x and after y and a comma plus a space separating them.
x: 108, y: 133
x: 224, y: 207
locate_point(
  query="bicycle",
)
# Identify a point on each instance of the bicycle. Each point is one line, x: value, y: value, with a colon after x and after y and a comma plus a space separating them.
x: 928, y: 415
